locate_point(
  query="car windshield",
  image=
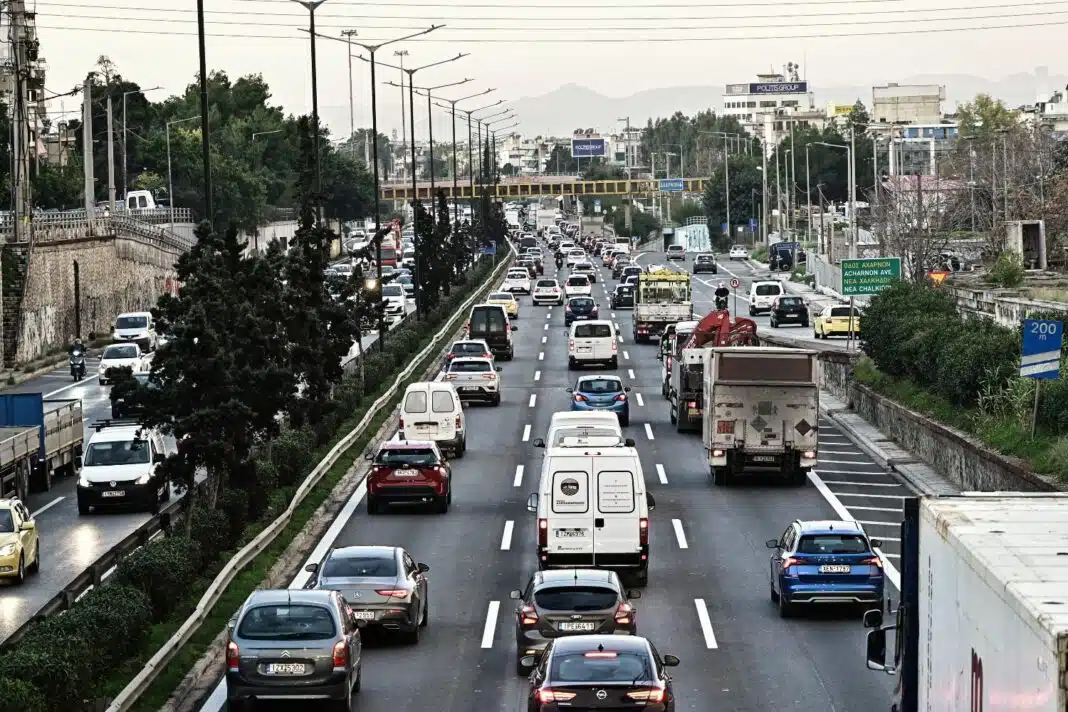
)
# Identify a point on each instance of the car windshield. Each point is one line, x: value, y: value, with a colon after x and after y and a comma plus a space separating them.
x: 546, y: 283
x: 599, y: 667
x: 600, y: 385
x: 113, y: 353
x: 392, y: 290
x: 501, y: 296
x: 832, y: 544
x: 844, y: 311
x: 404, y: 279
x: 593, y: 331
x: 118, y: 452
x: 767, y: 290
x: 577, y: 253
x: 632, y: 269
x: 625, y: 289
x: 468, y: 348
x: 580, y: 303
x: 576, y: 598
x: 514, y: 274
x: 675, y: 248
x: 131, y: 322
x: 705, y: 258
x: 470, y: 367
x: 584, y: 267
x: 287, y: 621
x: 578, y: 281
x: 370, y: 565
x: 7, y: 522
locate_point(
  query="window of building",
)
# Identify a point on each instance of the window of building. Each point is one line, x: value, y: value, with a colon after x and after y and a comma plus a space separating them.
x: 767, y: 104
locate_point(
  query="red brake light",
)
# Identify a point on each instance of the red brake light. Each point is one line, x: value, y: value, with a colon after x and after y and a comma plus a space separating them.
x: 458, y: 422
x: 341, y: 654
x: 579, y: 398
x: 547, y: 695
x: 655, y: 696
x: 791, y: 561
x: 601, y: 654
x: 643, y: 531
x: 621, y: 397
x: 543, y: 532
x: 528, y: 615
x: 233, y: 656
x: 873, y: 561
x: 393, y: 592
x: 615, y: 346
x: 624, y: 612
x: 570, y: 343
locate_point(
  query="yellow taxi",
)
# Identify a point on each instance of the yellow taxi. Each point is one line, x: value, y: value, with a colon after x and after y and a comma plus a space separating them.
x: 506, y: 300
x: 20, y: 551
x: 835, y: 321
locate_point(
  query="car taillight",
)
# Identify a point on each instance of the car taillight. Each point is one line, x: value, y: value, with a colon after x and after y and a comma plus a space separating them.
x: 725, y: 427
x: 643, y: 531
x: 543, y: 532
x: 393, y: 592
x: 528, y: 615
x: 623, y: 613
x: 450, y: 377
x: 546, y: 695
x: 233, y: 656
x: 873, y: 561
x: 622, y: 397
x: 579, y: 398
x: 341, y: 654
x: 791, y: 561
x: 615, y: 346
x: 570, y: 344
x: 400, y: 424
x: 691, y: 404
x: 489, y: 376
x: 458, y: 425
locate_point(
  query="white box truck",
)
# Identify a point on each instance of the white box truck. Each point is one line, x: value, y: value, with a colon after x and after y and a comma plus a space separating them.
x: 982, y: 625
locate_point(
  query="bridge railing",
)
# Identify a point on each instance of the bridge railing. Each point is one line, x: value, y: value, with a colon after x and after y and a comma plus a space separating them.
x: 75, y: 225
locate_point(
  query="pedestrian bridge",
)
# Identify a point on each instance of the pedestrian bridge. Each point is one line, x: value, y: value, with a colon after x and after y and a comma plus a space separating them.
x: 534, y: 186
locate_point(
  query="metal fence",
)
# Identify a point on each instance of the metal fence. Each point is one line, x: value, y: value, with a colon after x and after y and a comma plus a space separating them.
x: 151, y: 226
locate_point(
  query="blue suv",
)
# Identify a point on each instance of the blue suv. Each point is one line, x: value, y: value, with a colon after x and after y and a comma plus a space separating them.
x: 825, y: 562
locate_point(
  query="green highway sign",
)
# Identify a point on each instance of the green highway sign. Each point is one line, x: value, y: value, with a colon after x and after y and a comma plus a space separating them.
x: 869, y: 276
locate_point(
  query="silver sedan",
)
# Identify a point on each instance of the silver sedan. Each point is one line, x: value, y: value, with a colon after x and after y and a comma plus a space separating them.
x: 475, y: 379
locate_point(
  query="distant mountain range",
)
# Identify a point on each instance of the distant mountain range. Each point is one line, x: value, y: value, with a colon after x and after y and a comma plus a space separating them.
x: 563, y: 110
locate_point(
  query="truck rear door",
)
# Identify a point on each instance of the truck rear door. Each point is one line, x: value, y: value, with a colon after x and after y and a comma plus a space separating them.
x: 571, y: 516
x: 765, y: 421
x: 616, y: 521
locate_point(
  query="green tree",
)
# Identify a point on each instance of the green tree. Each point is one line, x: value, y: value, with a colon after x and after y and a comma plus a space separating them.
x: 441, y: 165
x: 425, y: 256
x: 641, y: 224
x: 442, y: 266
x: 984, y: 117
x: 508, y: 169
x: 560, y: 161
x: 599, y: 169
x: 348, y: 189
x: 59, y: 187
x: 745, y: 181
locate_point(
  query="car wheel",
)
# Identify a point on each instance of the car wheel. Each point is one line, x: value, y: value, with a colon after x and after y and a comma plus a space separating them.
x: 496, y: 399
x: 774, y: 324
x: 771, y: 592
x: 614, y: 363
x: 721, y: 477
x: 624, y: 420
x: 35, y: 567
x: 373, y: 507
x: 441, y: 505
x: 411, y: 637
x: 20, y: 576
x: 570, y: 364
x: 641, y: 578
x: 157, y: 503
x: 671, y: 415
x: 82, y: 508
x: 358, y: 685
x: 786, y: 609
x: 345, y: 703
x: 751, y: 312
x: 426, y: 613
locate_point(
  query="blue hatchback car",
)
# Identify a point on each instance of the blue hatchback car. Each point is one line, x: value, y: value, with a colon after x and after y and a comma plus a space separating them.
x: 825, y: 562
x: 604, y: 393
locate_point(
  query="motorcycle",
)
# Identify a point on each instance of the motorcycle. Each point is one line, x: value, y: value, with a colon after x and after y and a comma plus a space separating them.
x: 559, y: 262
x: 721, y: 304
x: 77, y: 365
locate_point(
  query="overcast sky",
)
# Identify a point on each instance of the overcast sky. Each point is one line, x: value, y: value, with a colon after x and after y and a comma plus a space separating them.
x: 526, y: 47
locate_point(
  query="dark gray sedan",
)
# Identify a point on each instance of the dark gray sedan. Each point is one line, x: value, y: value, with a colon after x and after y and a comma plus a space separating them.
x: 383, y: 585
x: 293, y: 644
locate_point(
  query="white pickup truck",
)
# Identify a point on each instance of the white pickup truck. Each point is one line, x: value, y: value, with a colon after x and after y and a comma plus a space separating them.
x: 661, y: 298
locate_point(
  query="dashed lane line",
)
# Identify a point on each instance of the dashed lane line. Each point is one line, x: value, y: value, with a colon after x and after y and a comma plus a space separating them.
x: 537, y: 375
x: 661, y: 474
x: 506, y: 537
x: 517, y: 481
x: 491, y: 624
x: 641, y: 401
x: 680, y: 535
x: 649, y: 432
x: 526, y: 433
x: 533, y: 400
x: 706, y: 624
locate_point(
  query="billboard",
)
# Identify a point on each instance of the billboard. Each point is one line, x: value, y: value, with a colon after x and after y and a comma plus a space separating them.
x: 672, y: 185
x: 779, y: 88
x: 588, y: 147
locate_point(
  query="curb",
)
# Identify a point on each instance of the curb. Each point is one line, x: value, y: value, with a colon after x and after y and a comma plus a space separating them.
x: 44, y: 370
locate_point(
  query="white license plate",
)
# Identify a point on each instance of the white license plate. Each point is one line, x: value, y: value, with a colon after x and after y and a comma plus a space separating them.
x: 578, y: 626
x: 570, y: 533
x: 469, y: 389
x: 114, y: 493
x: 835, y: 569
x: 584, y: 349
x: 406, y: 473
x: 363, y: 615
x: 764, y: 458
x: 285, y: 669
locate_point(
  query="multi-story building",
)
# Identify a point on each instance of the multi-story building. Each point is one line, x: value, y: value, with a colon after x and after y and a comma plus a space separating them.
x: 527, y: 156
x: 1049, y: 114
x: 621, y: 143
x: 907, y: 103
x: 773, y: 105
x: 22, y: 81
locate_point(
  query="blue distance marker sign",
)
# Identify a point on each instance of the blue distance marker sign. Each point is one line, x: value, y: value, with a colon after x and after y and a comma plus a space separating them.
x: 491, y: 250
x: 1041, y: 354
x: 672, y: 185
x: 588, y: 147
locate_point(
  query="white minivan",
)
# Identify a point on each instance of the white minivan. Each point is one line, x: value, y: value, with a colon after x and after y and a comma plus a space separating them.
x: 593, y: 511
x: 593, y: 341
x: 431, y: 410
x: 763, y: 294
x: 138, y: 327
x: 582, y: 429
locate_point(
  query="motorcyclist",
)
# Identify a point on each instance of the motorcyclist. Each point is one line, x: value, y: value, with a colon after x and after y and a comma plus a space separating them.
x: 77, y: 346
x: 721, y: 295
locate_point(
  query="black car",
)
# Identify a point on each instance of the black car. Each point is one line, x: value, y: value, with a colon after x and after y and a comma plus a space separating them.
x: 580, y: 309
x: 789, y: 310
x: 591, y: 672
x: 623, y: 296
x: 626, y: 270
x: 705, y: 262
x: 564, y: 602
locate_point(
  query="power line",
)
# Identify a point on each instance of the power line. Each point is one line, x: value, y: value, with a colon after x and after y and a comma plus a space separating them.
x: 569, y: 6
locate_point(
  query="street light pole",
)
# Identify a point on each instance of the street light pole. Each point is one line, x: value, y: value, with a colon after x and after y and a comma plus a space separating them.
x: 852, y: 194
x: 401, y: 54
x: 125, y: 189
x: 170, y: 178
x: 808, y: 196
x: 349, y: 34
x: 455, y: 180
x: 205, y: 148
x: 312, y: 6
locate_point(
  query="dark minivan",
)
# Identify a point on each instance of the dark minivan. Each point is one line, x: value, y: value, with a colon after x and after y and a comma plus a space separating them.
x: 789, y: 310
x: 490, y: 323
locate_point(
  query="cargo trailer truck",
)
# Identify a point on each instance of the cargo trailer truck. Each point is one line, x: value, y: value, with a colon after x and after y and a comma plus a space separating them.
x: 39, y: 440
x: 982, y: 625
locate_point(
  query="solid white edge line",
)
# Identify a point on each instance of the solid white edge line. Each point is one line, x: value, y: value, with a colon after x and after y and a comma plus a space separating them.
x: 533, y: 399
x: 517, y: 481
x: 641, y: 401
x: 491, y: 624
x: 506, y: 537
x: 680, y: 535
x: 843, y: 513
x: 661, y: 475
x: 706, y: 624
x: 649, y: 432
x: 526, y: 433
x: 46, y: 507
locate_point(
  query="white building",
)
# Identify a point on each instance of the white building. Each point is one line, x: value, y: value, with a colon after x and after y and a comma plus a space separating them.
x: 907, y: 103
x: 1049, y: 113
x: 772, y: 105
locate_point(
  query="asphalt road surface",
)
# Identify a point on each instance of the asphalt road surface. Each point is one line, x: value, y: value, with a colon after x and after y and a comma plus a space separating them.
x: 707, y: 599
x: 69, y: 542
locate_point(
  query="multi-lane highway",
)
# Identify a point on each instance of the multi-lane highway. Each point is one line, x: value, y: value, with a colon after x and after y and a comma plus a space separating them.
x: 707, y: 599
x: 69, y: 542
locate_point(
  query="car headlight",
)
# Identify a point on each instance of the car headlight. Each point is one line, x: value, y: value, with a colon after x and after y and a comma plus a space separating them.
x: 103, y: 367
x: 144, y: 479
x: 7, y: 550
x: 84, y: 482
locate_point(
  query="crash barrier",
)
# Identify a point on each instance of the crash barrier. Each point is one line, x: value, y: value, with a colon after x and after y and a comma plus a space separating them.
x: 126, y: 699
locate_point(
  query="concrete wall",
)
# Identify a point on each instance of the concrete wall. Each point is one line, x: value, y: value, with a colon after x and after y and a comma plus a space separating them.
x: 1004, y: 306
x: 116, y: 275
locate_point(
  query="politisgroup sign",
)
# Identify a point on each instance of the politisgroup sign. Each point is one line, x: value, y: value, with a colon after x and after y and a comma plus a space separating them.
x: 588, y: 147
x: 768, y: 88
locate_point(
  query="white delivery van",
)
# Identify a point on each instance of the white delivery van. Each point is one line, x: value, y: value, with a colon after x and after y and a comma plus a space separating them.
x: 592, y: 342
x: 138, y: 327
x: 431, y: 410
x: 762, y: 295
x: 593, y: 511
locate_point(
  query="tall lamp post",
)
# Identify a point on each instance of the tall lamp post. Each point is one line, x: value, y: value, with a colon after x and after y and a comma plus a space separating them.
x: 471, y: 148
x: 205, y: 147
x: 170, y: 179
x: 852, y: 195
x: 485, y: 121
x: 455, y: 176
x: 348, y: 35
x: 311, y: 6
x: 124, y: 161
x: 493, y: 138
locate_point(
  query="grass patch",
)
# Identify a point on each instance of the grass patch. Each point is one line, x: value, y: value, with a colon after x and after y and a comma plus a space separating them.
x: 759, y: 255
x: 1046, y: 453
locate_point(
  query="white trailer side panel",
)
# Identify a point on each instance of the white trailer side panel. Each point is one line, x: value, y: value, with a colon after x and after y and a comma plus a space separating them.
x: 993, y: 603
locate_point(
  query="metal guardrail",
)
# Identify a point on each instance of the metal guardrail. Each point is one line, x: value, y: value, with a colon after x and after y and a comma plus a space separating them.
x: 152, y: 668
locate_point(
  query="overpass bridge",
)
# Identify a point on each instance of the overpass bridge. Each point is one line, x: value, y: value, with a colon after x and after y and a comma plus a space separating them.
x: 534, y: 186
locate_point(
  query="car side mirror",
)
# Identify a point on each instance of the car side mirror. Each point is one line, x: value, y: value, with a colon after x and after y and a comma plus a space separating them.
x: 539, y: 442
x: 515, y: 594
x: 498, y: 369
x: 515, y: 328
x: 570, y: 390
x: 649, y: 501
x: 312, y: 568
x: 876, y: 650
x: 532, y: 502
x: 772, y: 543
x: 626, y: 389
x: 873, y: 618
x: 28, y: 526
x: 629, y: 442
x: 876, y: 543
x: 671, y: 661
x: 158, y: 458
x: 528, y: 661
x: 634, y: 594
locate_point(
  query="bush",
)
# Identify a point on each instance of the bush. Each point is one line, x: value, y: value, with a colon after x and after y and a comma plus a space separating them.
x: 162, y: 569
x: 289, y: 453
x: 1008, y: 271
x: 213, y: 533
x: 20, y: 696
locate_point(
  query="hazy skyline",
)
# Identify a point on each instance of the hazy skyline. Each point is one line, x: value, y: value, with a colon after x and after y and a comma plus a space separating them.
x: 526, y: 49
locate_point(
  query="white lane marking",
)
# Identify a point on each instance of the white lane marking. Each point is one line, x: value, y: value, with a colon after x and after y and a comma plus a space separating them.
x: 839, y: 452
x: 541, y: 355
x: 862, y: 484
x: 517, y: 481
x: 661, y: 474
x: 641, y: 401
x: 862, y: 461
x: 491, y: 624
x: 896, y: 525
x: 649, y: 432
x: 48, y: 506
x: 546, y: 327
x: 853, y: 473
x: 544, y: 339
x: 506, y: 537
x: 537, y: 375
x: 626, y: 356
x: 878, y: 509
x: 85, y: 382
x: 526, y: 433
x: 706, y: 624
x: 533, y: 400
x: 548, y: 315
x: 680, y: 535
x: 871, y: 496
x: 630, y: 373
x: 620, y: 337
x: 843, y: 513
x: 892, y: 556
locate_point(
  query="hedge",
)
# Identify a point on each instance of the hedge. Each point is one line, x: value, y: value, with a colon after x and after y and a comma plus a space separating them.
x: 62, y: 661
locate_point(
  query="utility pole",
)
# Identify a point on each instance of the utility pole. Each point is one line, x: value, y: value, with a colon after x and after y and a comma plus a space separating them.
x: 23, y: 60
x: 402, y: 53
x: 853, y: 196
x: 87, y: 146
x: 764, y: 193
x: 348, y: 35
x: 111, y: 157
x: 627, y: 215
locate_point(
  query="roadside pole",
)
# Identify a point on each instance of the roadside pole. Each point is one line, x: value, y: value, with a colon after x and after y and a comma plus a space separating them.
x: 735, y: 283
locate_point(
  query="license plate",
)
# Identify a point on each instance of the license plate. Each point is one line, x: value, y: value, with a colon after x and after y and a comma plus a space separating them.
x: 570, y: 533
x: 406, y: 473
x: 363, y: 615
x: 584, y: 349
x: 114, y: 493
x: 694, y: 411
x: 764, y: 458
x: 835, y: 569
x: 285, y: 668
x: 578, y: 626
x: 468, y: 389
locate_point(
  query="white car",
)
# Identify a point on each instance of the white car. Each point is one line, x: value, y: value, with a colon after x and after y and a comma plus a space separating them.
x: 518, y: 280
x: 676, y: 252
x: 137, y: 327
x: 547, y: 291
x: 592, y: 342
x: 118, y: 356
x: 394, y: 296
x: 574, y: 256
x: 578, y: 285
x: 738, y: 252
x: 585, y: 268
